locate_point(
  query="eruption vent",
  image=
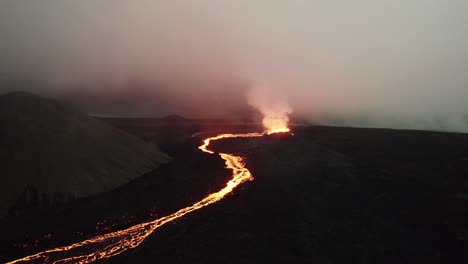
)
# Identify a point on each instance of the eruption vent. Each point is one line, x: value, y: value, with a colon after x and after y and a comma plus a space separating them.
x: 275, y: 122
x: 273, y: 108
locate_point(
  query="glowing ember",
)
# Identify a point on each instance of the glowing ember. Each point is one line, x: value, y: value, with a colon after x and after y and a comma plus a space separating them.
x: 114, y: 243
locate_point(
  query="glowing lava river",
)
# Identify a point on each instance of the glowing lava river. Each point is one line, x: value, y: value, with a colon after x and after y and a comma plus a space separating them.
x: 114, y: 243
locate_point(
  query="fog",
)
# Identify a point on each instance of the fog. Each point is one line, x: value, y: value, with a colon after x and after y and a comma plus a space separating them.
x: 388, y: 63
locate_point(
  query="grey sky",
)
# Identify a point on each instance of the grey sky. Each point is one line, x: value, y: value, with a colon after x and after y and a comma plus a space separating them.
x: 394, y: 63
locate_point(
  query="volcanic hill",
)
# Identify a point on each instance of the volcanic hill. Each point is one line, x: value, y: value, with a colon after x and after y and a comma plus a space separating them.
x: 51, y: 153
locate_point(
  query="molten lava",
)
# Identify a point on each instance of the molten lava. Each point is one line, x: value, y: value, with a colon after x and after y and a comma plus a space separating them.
x: 114, y: 243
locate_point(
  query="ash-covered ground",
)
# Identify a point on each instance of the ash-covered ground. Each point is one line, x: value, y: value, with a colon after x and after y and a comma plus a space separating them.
x: 324, y: 195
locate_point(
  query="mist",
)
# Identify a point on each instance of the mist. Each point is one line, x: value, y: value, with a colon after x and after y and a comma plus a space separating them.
x: 396, y: 64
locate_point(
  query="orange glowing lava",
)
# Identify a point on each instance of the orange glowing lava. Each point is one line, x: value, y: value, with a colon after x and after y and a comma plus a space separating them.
x: 276, y: 125
x: 114, y: 243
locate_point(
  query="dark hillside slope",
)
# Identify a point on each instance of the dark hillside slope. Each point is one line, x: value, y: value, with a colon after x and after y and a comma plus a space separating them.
x: 51, y: 153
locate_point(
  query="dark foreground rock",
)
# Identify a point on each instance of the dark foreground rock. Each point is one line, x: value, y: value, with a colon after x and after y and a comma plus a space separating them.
x: 332, y: 195
x: 324, y: 195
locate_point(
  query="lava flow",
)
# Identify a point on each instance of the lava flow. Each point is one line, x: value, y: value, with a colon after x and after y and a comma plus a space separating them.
x: 114, y: 243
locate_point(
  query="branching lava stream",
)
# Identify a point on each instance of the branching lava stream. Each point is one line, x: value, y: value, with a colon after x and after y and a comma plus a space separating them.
x: 114, y: 243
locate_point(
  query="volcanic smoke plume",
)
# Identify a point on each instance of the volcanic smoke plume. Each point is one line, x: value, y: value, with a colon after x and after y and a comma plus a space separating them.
x: 274, y: 109
x: 390, y: 63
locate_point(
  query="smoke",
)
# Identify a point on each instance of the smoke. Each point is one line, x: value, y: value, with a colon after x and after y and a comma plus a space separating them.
x: 389, y: 63
x: 275, y: 111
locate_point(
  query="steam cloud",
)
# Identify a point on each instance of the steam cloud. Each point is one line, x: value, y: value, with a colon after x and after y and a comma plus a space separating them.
x: 389, y: 63
x: 275, y: 111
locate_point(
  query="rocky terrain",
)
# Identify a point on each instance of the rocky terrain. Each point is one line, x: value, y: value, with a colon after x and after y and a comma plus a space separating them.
x: 324, y: 195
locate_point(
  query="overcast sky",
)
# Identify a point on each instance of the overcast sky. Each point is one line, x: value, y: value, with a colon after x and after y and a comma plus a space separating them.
x: 391, y: 63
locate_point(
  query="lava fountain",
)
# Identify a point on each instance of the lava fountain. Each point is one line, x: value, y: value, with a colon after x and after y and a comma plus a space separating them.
x: 114, y: 243
x: 274, y: 109
x: 276, y: 123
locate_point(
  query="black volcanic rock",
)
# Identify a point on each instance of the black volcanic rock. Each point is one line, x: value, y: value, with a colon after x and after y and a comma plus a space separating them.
x: 50, y: 153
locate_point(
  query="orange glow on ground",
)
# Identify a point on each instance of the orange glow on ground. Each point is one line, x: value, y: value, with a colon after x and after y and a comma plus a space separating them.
x: 114, y: 243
